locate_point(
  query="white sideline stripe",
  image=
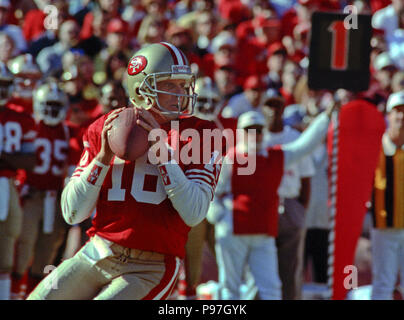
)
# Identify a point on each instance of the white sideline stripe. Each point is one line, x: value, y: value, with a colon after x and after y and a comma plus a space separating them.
x: 163, y: 292
x: 177, y: 53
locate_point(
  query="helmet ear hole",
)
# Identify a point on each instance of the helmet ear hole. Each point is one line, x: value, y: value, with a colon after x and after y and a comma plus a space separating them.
x: 137, y: 91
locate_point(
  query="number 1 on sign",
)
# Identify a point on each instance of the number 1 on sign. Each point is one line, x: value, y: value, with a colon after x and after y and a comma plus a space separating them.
x: 339, y: 45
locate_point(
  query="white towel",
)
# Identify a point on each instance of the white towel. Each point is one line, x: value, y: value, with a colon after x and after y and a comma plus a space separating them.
x: 4, y: 198
x: 49, y: 211
x: 96, y: 249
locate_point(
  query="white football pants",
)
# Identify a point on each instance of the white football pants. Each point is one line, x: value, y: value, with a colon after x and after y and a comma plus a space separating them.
x: 234, y: 253
x: 387, y: 262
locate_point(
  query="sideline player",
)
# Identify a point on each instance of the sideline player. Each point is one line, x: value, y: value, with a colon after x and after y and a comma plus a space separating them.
x: 43, y: 227
x: 144, y: 211
x: 17, y: 135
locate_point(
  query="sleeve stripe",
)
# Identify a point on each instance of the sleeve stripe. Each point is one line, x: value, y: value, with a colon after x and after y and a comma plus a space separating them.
x: 78, y: 171
x: 201, y: 172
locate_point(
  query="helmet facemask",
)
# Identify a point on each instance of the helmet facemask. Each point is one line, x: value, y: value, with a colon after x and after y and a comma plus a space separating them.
x: 53, y: 112
x: 148, y: 89
x: 50, y: 104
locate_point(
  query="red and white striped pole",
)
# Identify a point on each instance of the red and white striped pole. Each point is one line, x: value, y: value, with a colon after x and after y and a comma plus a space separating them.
x: 332, y: 201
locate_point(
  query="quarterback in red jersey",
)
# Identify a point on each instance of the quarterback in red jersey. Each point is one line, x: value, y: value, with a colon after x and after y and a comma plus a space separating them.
x: 43, y: 226
x: 17, y: 134
x: 144, y: 211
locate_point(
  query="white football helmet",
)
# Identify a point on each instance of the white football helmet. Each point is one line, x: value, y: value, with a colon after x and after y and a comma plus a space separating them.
x: 207, y: 105
x: 50, y: 104
x: 154, y: 63
x: 26, y: 73
x: 6, y: 84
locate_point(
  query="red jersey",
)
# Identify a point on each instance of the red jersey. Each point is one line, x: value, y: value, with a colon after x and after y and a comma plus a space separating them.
x: 51, y: 147
x: 16, y: 129
x: 133, y: 209
x: 255, y: 196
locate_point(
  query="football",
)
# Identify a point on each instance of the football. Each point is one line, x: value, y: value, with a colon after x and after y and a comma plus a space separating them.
x: 126, y: 138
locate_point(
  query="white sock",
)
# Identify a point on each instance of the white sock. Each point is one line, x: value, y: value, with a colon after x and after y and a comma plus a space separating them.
x: 5, y: 286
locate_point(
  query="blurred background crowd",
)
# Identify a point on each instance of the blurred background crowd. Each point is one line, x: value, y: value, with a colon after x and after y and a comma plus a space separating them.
x: 247, y: 54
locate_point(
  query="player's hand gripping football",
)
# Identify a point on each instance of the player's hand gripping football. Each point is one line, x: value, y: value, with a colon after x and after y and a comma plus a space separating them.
x: 105, y: 155
x: 148, y: 121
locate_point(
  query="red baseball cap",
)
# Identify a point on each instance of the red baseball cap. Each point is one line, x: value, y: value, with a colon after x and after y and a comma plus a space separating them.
x: 117, y: 26
x: 234, y: 11
x: 254, y: 82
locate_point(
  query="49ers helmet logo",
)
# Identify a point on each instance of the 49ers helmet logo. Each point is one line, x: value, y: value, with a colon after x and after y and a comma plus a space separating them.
x: 136, y: 65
